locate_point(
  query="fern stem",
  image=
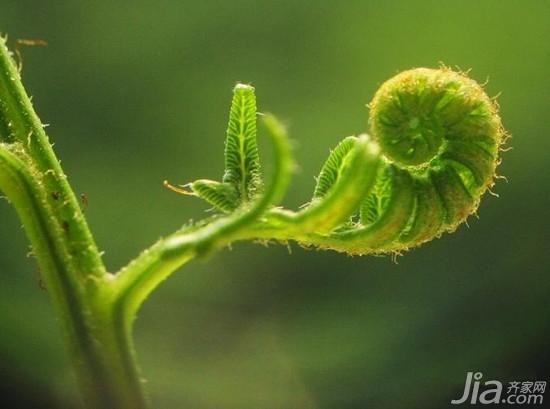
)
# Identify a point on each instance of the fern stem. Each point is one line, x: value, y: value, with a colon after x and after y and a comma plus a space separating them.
x: 70, y: 264
x: 26, y: 128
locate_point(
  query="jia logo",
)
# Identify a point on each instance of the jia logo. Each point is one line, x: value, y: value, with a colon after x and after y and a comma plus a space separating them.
x: 515, y: 393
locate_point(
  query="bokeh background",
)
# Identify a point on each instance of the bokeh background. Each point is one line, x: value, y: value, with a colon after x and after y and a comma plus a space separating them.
x: 138, y: 92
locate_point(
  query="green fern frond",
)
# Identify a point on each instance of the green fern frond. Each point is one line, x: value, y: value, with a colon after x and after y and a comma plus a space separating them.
x: 242, y: 162
x: 333, y: 167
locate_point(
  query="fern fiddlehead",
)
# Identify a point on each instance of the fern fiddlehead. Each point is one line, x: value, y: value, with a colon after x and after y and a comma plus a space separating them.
x: 431, y: 152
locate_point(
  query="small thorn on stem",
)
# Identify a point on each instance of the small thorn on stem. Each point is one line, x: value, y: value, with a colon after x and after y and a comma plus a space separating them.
x: 178, y: 189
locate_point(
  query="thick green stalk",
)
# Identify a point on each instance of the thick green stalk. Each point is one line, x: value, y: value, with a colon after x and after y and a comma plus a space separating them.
x: 70, y: 264
x: 24, y: 126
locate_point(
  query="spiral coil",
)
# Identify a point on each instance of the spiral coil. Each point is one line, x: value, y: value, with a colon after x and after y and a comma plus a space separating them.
x: 439, y: 135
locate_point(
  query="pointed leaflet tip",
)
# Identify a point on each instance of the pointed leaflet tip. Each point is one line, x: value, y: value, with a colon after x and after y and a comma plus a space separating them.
x: 244, y: 87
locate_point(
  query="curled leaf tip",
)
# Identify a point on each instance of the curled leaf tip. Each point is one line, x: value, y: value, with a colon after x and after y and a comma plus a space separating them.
x: 433, y: 147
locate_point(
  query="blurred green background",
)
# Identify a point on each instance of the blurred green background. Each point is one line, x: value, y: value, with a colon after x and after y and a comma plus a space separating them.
x: 138, y: 92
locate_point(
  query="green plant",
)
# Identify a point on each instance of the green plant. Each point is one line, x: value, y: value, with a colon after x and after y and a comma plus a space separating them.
x: 432, y: 154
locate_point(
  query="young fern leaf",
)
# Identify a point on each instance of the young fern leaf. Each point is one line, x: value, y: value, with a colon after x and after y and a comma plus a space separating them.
x: 221, y: 196
x: 333, y: 167
x: 242, y: 162
x: 242, y: 179
x: 345, y: 178
x: 225, y: 229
